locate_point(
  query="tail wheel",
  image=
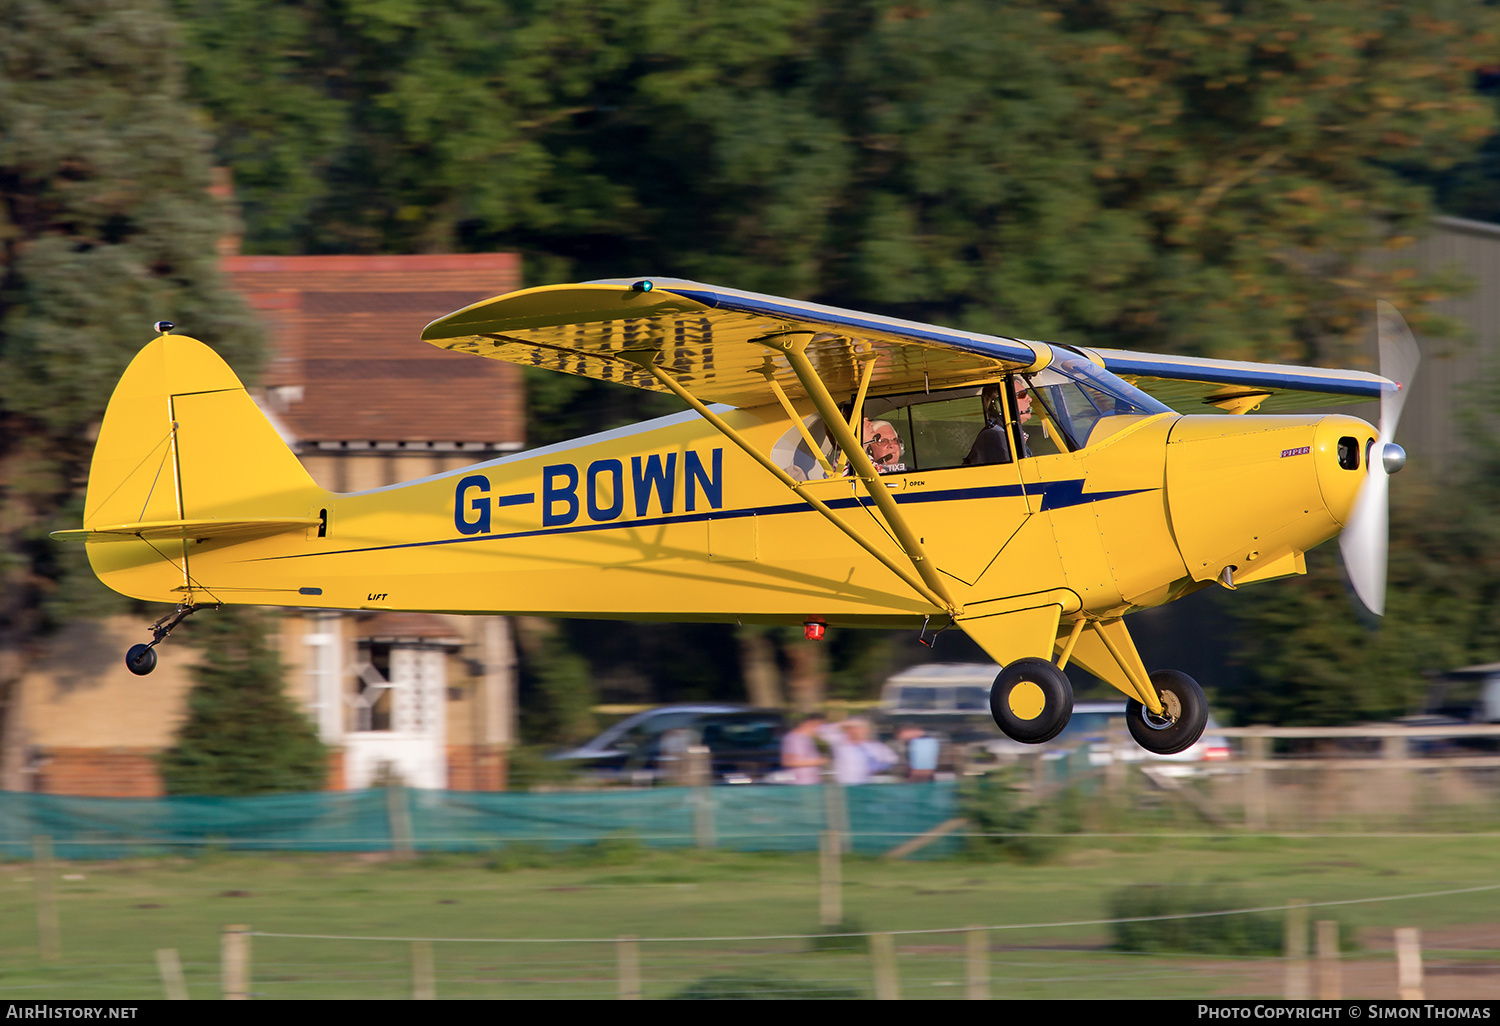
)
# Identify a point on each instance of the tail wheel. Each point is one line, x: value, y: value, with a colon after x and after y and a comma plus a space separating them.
x: 1186, y: 714
x: 1031, y: 701
x: 140, y: 660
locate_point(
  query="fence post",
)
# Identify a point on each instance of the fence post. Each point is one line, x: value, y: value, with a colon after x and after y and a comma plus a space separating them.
x: 398, y: 816
x: 883, y: 961
x: 1409, y: 964
x: 423, y: 978
x: 979, y: 964
x: 1298, y: 983
x: 1258, y: 753
x: 234, y: 964
x: 1397, y: 782
x: 830, y: 879
x: 44, y: 882
x: 836, y: 811
x: 170, y: 967
x: 1330, y: 969
x: 628, y: 960
x: 700, y: 778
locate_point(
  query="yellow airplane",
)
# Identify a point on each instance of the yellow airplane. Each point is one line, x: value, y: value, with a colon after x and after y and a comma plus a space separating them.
x: 836, y: 468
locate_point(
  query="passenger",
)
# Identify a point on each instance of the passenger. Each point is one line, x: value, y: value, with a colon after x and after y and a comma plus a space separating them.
x: 884, y: 447
x: 992, y: 444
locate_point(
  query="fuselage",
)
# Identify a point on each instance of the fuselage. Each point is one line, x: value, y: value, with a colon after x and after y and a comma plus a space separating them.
x: 666, y: 520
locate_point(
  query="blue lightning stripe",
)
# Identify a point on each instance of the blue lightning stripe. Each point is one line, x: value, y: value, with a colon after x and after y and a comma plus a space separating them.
x: 1055, y: 495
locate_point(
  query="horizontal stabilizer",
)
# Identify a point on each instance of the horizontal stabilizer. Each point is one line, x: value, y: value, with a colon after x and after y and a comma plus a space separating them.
x: 205, y: 528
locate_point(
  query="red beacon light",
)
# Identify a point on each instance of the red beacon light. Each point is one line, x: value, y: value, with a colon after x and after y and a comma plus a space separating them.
x: 813, y: 630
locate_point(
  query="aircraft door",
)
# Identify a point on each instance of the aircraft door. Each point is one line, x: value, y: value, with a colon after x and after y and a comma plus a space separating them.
x: 949, y: 457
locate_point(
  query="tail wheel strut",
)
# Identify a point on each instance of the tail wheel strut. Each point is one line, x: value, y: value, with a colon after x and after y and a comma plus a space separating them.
x: 141, y: 659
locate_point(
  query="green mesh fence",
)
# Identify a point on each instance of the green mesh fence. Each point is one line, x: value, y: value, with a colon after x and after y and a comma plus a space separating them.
x: 877, y: 817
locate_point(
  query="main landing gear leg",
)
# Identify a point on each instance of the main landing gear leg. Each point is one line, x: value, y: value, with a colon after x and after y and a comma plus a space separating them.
x: 1166, y: 711
x: 141, y: 659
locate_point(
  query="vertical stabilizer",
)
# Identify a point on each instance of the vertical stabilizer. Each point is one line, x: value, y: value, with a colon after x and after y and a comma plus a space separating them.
x: 183, y: 441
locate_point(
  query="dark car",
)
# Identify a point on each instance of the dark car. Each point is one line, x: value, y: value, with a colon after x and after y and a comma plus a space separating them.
x: 744, y: 744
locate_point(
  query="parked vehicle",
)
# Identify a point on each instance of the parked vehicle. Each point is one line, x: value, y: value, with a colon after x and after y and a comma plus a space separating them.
x: 744, y: 744
x: 1101, y: 726
x: 951, y: 701
x: 948, y: 700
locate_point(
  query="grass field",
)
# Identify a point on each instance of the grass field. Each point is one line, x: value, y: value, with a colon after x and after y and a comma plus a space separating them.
x: 114, y: 915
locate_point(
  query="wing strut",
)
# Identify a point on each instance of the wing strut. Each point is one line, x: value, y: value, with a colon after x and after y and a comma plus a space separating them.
x: 794, y: 345
x: 646, y: 359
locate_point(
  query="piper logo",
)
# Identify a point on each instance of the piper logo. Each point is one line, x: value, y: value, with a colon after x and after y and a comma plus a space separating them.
x: 1301, y: 450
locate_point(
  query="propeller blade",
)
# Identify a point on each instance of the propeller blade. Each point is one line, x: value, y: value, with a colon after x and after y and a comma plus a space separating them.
x: 1366, y: 538
x: 1399, y: 357
x: 1365, y: 542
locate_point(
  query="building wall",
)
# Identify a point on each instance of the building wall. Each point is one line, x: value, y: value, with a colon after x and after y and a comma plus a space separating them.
x: 365, y: 404
x: 1429, y: 430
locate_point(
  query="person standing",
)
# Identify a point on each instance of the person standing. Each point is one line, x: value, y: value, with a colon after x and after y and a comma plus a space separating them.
x: 921, y: 751
x: 857, y: 756
x: 799, y: 751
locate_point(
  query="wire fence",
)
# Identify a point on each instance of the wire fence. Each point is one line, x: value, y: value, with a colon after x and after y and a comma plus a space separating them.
x: 974, y: 962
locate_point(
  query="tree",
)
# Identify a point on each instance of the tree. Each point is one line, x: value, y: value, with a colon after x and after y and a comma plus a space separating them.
x: 242, y: 735
x: 1163, y: 174
x: 106, y: 225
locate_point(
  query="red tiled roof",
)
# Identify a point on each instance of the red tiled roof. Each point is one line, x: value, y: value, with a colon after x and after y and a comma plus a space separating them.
x: 346, y: 331
x: 416, y: 626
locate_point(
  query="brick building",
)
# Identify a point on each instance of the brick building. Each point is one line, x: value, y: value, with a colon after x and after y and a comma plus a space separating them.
x: 364, y: 403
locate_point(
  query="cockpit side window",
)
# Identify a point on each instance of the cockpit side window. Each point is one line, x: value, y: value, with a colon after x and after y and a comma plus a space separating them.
x: 1069, y: 398
x: 1048, y: 411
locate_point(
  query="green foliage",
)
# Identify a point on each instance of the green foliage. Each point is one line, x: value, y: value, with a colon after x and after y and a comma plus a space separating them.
x: 557, y: 688
x: 106, y: 225
x: 1188, y: 177
x: 992, y: 804
x: 1195, y: 932
x: 527, y: 766
x: 243, y: 735
x: 1245, y: 934
x: 848, y: 934
x: 754, y: 986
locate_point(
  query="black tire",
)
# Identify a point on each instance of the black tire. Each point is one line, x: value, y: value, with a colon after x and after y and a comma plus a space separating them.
x: 140, y: 660
x: 1031, y: 701
x: 1182, y: 699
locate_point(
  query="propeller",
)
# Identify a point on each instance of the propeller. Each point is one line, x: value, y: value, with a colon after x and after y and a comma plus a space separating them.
x: 1366, y: 536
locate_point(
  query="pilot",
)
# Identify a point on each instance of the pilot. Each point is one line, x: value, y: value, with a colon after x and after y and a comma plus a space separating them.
x: 883, y: 445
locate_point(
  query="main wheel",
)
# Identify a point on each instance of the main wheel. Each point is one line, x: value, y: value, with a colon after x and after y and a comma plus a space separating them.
x: 1031, y: 701
x: 140, y: 660
x: 1186, y: 714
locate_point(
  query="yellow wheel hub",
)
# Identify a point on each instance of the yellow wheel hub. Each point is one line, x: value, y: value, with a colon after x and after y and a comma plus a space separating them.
x: 1026, y: 700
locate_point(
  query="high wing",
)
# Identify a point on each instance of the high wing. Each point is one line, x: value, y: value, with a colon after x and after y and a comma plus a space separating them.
x: 1196, y: 385
x: 701, y: 331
